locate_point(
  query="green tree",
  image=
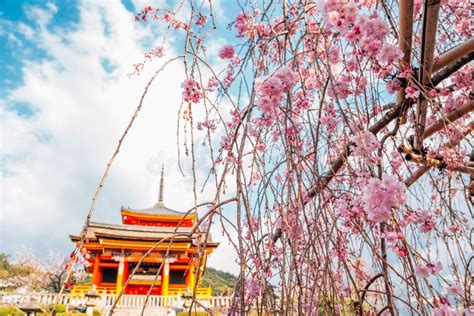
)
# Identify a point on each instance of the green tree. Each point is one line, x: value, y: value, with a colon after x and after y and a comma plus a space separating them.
x: 219, y: 281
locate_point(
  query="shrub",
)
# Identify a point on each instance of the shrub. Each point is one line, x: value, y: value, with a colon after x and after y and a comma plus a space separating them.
x: 10, y: 311
x: 60, y: 308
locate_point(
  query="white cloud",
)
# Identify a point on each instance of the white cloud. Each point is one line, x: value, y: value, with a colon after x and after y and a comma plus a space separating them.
x: 53, y: 160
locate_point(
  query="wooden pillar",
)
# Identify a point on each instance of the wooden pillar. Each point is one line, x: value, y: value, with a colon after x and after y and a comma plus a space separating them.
x: 471, y: 184
x: 125, y: 271
x: 96, y: 273
x: 405, y: 41
x: 428, y: 42
x: 191, y: 278
x: 165, y: 279
x: 120, y: 271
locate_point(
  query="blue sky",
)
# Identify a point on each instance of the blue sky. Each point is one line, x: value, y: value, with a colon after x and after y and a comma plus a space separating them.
x: 65, y: 99
x: 14, y: 52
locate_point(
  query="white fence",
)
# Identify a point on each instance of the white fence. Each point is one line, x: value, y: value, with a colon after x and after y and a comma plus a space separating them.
x: 41, y: 299
x: 106, y: 301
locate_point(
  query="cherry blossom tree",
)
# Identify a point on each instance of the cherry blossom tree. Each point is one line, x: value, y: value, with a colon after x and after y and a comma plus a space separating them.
x: 340, y: 140
x: 29, y: 272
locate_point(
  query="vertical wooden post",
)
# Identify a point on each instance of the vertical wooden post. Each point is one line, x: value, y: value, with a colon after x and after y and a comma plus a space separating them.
x: 404, y: 42
x: 471, y: 184
x: 165, y: 278
x: 125, y: 271
x: 430, y: 28
x: 96, y: 273
x: 428, y: 42
x: 121, y: 267
x: 191, y: 278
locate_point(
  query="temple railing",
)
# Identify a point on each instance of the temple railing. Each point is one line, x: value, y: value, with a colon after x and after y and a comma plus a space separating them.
x: 167, y: 301
x: 82, y: 289
x: 200, y: 291
x: 172, y: 291
x: 105, y: 301
x: 42, y: 299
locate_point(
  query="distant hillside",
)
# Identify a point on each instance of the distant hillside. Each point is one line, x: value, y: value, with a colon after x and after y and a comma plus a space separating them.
x: 219, y: 281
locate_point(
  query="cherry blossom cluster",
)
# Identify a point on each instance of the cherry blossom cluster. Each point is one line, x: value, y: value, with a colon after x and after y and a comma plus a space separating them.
x: 191, y: 91
x: 381, y: 196
x: 365, y: 143
x: 272, y: 90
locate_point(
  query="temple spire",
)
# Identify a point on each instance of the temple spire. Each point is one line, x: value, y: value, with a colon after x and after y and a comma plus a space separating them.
x: 162, y: 180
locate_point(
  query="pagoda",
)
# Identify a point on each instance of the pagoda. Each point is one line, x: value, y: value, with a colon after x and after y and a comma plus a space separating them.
x: 169, y: 269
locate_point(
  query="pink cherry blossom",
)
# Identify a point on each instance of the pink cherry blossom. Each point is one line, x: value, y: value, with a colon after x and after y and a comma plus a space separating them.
x: 212, y: 84
x: 390, y: 54
x: 271, y: 90
x: 260, y: 147
x: 201, y: 20
x: 380, y: 196
x: 191, y: 90
x: 288, y: 78
x: 422, y: 271
x: 393, y: 236
x: 227, y: 52
x: 445, y: 310
x: 454, y: 228
x: 412, y: 92
x: 454, y: 290
x: 365, y: 143
x: 393, y: 85
x: 400, y: 251
x: 270, y: 86
x: 243, y: 24
x: 427, y: 225
x: 435, y: 267
x: 425, y: 270
x: 333, y: 18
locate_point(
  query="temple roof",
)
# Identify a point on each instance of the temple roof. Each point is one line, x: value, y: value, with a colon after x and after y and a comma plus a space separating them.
x: 157, y: 209
x: 96, y: 230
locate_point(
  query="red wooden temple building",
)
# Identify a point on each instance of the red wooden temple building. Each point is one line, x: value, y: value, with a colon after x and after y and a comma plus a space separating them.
x: 171, y: 266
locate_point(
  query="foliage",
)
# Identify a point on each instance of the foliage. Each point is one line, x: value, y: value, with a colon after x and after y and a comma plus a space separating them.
x: 219, y: 281
x: 4, y: 263
x: 60, y: 308
x: 4, y: 268
x: 10, y: 311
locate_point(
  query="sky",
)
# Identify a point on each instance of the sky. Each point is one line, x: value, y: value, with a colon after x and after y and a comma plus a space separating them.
x: 65, y: 100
